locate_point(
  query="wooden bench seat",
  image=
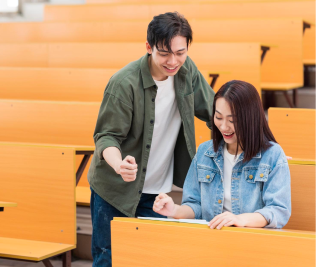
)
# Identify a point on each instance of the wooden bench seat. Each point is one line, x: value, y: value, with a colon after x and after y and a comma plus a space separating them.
x: 54, y: 84
x: 31, y: 250
x: 63, y: 84
x: 42, y: 180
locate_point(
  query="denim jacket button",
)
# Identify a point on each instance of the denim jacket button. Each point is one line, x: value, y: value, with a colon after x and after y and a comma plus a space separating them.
x: 208, y: 177
x: 219, y: 201
x: 261, y: 175
x: 250, y: 177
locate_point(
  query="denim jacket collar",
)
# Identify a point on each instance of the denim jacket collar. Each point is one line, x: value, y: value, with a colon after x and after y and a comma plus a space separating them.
x: 211, y: 153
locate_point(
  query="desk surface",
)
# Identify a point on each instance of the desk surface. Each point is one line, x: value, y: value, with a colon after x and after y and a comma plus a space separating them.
x: 75, y: 147
x: 139, y: 243
x: 277, y: 232
x: 7, y: 204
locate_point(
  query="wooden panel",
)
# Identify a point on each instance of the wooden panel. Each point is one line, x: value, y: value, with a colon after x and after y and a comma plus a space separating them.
x: 294, y: 130
x: 42, y: 181
x: 282, y: 64
x: 228, y: 10
x: 31, y: 250
x: 48, y: 122
x: 242, y: 60
x: 26, y: 55
x: 303, y: 198
x: 95, y: 12
x: 138, y: 243
x: 106, y: 31
x: 54, y: 84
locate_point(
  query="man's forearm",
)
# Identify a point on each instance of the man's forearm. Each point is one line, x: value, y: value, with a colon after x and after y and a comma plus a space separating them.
x: 113, y: 157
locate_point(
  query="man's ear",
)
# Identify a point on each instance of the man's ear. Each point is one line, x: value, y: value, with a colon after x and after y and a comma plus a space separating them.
x: 148, y: 48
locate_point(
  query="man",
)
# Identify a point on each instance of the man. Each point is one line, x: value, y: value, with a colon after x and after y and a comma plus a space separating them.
x: 144, y: 134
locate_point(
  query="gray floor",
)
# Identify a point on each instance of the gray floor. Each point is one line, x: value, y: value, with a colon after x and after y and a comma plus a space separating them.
x: 55, y: 263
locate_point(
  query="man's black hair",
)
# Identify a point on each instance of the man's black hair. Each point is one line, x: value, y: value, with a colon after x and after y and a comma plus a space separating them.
x: 164, y: 27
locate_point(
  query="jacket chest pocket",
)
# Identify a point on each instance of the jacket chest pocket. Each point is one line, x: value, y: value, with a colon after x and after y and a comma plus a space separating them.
x: 256, y: 175
x: 206, y: 175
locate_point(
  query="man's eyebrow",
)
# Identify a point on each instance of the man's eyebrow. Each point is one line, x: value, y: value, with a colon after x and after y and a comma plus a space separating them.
x: 221, y: 113
x: 161, y: 50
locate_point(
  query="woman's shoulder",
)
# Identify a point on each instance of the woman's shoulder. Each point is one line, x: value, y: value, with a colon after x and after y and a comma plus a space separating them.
x: 274, y: 154
x: 205, y: 147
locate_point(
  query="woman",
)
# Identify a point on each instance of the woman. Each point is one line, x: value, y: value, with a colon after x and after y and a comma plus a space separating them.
x: 240, y: 177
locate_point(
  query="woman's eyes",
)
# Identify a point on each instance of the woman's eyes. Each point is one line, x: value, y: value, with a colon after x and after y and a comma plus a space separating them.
x: 221, y: 119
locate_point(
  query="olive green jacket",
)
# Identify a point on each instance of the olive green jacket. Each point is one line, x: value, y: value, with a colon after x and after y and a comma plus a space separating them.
x: 126, y: 121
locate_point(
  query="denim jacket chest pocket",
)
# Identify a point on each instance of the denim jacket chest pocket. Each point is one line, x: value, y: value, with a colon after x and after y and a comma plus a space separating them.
x: 206, y: 174
x: 256, y: 175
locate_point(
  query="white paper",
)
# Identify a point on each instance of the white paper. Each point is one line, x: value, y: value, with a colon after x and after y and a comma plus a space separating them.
x: 194, y: 221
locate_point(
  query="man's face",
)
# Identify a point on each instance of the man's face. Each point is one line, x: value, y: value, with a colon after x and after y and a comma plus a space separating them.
x: 162, y: 63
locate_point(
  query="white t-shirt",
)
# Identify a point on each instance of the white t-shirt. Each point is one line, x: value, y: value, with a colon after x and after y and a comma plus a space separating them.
x: 159, y: 175
x: 229, y: 163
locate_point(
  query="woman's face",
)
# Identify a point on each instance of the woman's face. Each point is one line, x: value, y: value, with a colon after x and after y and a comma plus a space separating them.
x: 223, y: 120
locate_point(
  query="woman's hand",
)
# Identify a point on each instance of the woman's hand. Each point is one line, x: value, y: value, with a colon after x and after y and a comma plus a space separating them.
x: 164, y: 205
x: 226, y: 219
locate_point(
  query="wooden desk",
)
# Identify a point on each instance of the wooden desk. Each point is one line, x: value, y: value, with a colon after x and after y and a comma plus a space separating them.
x: 152, y: 243
x: 6, y: 204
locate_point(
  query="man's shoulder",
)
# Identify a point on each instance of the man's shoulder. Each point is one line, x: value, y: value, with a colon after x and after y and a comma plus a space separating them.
x: 131, y: 70
x: 190, y: 65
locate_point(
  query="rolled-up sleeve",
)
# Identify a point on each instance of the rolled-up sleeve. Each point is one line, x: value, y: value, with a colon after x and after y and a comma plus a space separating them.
x: 276, y: 196
x: 113, y: 123
x: 191, y: 190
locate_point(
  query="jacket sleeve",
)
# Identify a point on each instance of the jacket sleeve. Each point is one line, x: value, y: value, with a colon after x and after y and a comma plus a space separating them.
x: 203, y: 98
x: 276, y: 196
x: 191, y: 191
x: 114, y: 120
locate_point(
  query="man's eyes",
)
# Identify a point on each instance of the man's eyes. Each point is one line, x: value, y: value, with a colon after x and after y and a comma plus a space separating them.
x: 164, y: 55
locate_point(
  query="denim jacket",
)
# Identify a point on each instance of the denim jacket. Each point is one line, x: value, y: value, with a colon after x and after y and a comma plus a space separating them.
x: 261, y: 185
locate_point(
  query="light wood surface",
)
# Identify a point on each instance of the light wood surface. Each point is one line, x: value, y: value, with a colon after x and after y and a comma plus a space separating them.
x: 54, y: 84
x: 241, y: 60
x: 7, y: 204
x: 136, y: 243
x: 63, y: 123
x: 303, y: 197
x: 42, y: 181
x: 31, y: 250
x: 294, y: 130
x: 193, y: 10
x: 283, y: 64
x: 83, y: 195
x: 280, y: 86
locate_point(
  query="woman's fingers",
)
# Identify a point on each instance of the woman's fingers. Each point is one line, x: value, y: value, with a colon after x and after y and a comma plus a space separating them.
x: 224, y: 222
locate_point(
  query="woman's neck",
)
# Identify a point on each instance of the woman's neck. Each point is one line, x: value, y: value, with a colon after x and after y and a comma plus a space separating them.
x: 232, y: 149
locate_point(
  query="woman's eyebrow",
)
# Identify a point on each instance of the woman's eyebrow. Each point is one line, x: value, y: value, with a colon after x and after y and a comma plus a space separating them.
x: 221, y: 113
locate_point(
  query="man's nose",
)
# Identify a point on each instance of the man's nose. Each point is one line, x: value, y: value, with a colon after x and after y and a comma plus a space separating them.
x: 172, y: 59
